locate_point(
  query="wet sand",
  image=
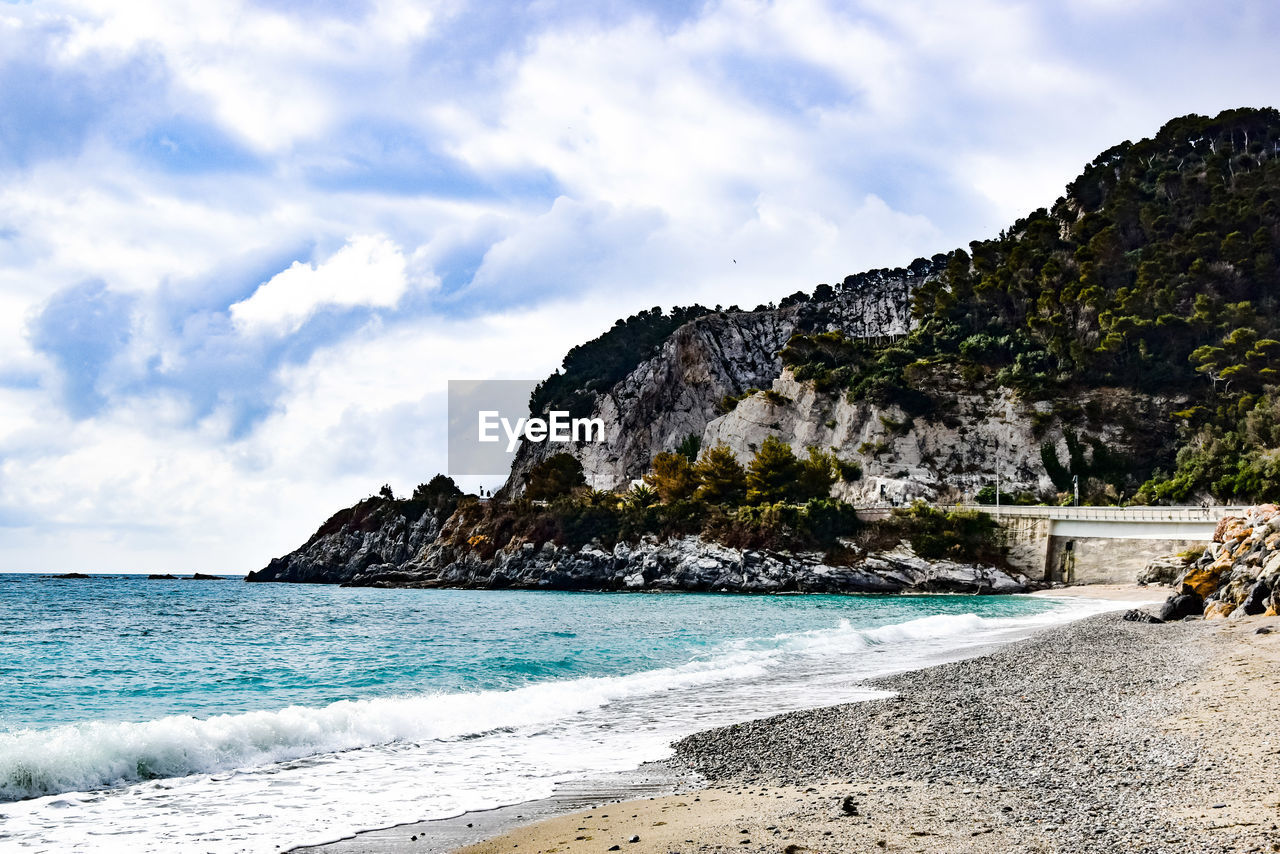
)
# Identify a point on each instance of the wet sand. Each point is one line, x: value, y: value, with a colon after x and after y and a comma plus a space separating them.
x: 1100, y: 735
x: 1097, y: 736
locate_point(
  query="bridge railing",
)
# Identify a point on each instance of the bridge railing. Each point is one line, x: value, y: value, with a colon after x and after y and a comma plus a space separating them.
x: 1184, y: 513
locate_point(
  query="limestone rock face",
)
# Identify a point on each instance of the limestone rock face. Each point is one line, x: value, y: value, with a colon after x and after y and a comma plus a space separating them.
x: 374, y: 533
x: 686, y: 564
x: 679, y: 390
x: 951, y: 453
x: 948, y: 455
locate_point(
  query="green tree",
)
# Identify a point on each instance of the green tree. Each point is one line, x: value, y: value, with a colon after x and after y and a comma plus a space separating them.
x: 817, y: 475
x: 673, y: 477
x: 440, y: 486
x: 773, y: 472
x: 689, y: 446
x: 641, y: 496
x: 722, y: 479
x: 555, y: 476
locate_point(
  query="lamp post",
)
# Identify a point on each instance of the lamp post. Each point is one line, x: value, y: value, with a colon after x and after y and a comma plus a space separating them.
x: 997, y: 474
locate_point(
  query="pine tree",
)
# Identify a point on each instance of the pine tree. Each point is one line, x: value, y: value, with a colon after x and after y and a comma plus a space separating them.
x: 722, y: 478
x: 773, y: 472
x: 673, y: 477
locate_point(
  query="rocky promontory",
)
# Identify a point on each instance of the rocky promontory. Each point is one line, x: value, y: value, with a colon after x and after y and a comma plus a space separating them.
x: 690, y: 564
x: 463, y: 543
x: 377, y: 532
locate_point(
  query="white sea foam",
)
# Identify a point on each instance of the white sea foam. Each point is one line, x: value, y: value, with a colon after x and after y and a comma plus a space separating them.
x: 261, y: 780
x: 99, y: 755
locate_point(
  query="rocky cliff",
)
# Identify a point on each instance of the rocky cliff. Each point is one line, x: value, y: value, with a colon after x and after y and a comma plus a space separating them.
x: 1127, y: 339
x: 377, y: 533
x: 679, y: 390
x: 721, y: 379
x: 950, y: 454
x: 686, y: 564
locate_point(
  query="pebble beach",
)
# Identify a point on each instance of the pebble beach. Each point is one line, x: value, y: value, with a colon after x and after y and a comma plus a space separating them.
x: 1101, y: 735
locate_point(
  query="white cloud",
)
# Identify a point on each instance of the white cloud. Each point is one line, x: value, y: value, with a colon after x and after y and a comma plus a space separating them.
x: 804, y: 140
x: 271, y: 78
x: 368, y: 271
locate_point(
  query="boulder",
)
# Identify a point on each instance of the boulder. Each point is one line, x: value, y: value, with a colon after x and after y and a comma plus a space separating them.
x: 1137, y: 615
x: 1202, y: 579
x: 1162, y: 570
x: 1257, y: 599
x: 1218, y: 610
x: 1182, y: 605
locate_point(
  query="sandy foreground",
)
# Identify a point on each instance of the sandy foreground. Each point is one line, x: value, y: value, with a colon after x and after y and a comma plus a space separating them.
x: 1114, y: 592
x: 1101, y: 735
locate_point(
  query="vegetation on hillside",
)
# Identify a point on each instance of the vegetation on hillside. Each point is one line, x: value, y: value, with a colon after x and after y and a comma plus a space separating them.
x: 602, y: 362
x: 778, y: 501
x: 1157, y: 272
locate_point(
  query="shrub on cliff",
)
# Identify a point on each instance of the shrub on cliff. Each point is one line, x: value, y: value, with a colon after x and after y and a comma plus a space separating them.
x: 440, y: 487
x: 773, y: 472
x: 782, y: 526
x: 818, y: 473
x: 553, y: 477
x: 777, y: 475
x: 672, y: 477
x: 721, y: 478
x: 962, y: 535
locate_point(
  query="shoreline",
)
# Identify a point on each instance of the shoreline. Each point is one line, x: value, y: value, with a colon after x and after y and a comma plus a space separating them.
x: 651, y: 780
x: 637, y: 790
x: 1099, y: 735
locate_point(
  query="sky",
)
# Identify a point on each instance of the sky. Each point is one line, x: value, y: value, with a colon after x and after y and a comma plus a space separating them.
x: 245, y: 245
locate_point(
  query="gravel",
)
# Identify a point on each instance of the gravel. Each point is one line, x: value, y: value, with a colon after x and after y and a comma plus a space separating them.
x: 1055, y: 738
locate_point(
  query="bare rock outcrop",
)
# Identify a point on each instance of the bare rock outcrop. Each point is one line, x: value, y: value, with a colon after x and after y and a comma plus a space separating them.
x: 687, y: 564
x: 678, y: 391
x: 1238, y: 575
x: 948, y: 455
x: 376, y: 532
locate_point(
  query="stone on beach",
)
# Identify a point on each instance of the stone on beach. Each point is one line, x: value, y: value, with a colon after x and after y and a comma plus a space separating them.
x: 1238, y: 575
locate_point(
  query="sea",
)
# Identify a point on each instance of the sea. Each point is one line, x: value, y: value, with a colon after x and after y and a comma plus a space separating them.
x: 216, y: 716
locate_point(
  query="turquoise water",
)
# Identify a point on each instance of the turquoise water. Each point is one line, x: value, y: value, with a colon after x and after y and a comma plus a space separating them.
x: 130, y: 649
x: 133, y: 700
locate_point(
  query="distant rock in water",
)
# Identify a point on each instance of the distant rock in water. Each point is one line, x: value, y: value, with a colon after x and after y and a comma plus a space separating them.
x: 160, y: 576
x: 71, y: 575
x: 200, y: 576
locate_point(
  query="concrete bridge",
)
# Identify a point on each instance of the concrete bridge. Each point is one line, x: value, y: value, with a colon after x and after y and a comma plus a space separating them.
x: 1093, y: 545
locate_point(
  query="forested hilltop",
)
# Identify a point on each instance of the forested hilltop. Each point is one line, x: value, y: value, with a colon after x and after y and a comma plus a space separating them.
x: 1126, y: 339
x: 1156, y: 274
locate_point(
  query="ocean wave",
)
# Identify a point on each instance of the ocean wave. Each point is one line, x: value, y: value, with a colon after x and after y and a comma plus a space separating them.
x: 845, y: 637
x: 101, y: 755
